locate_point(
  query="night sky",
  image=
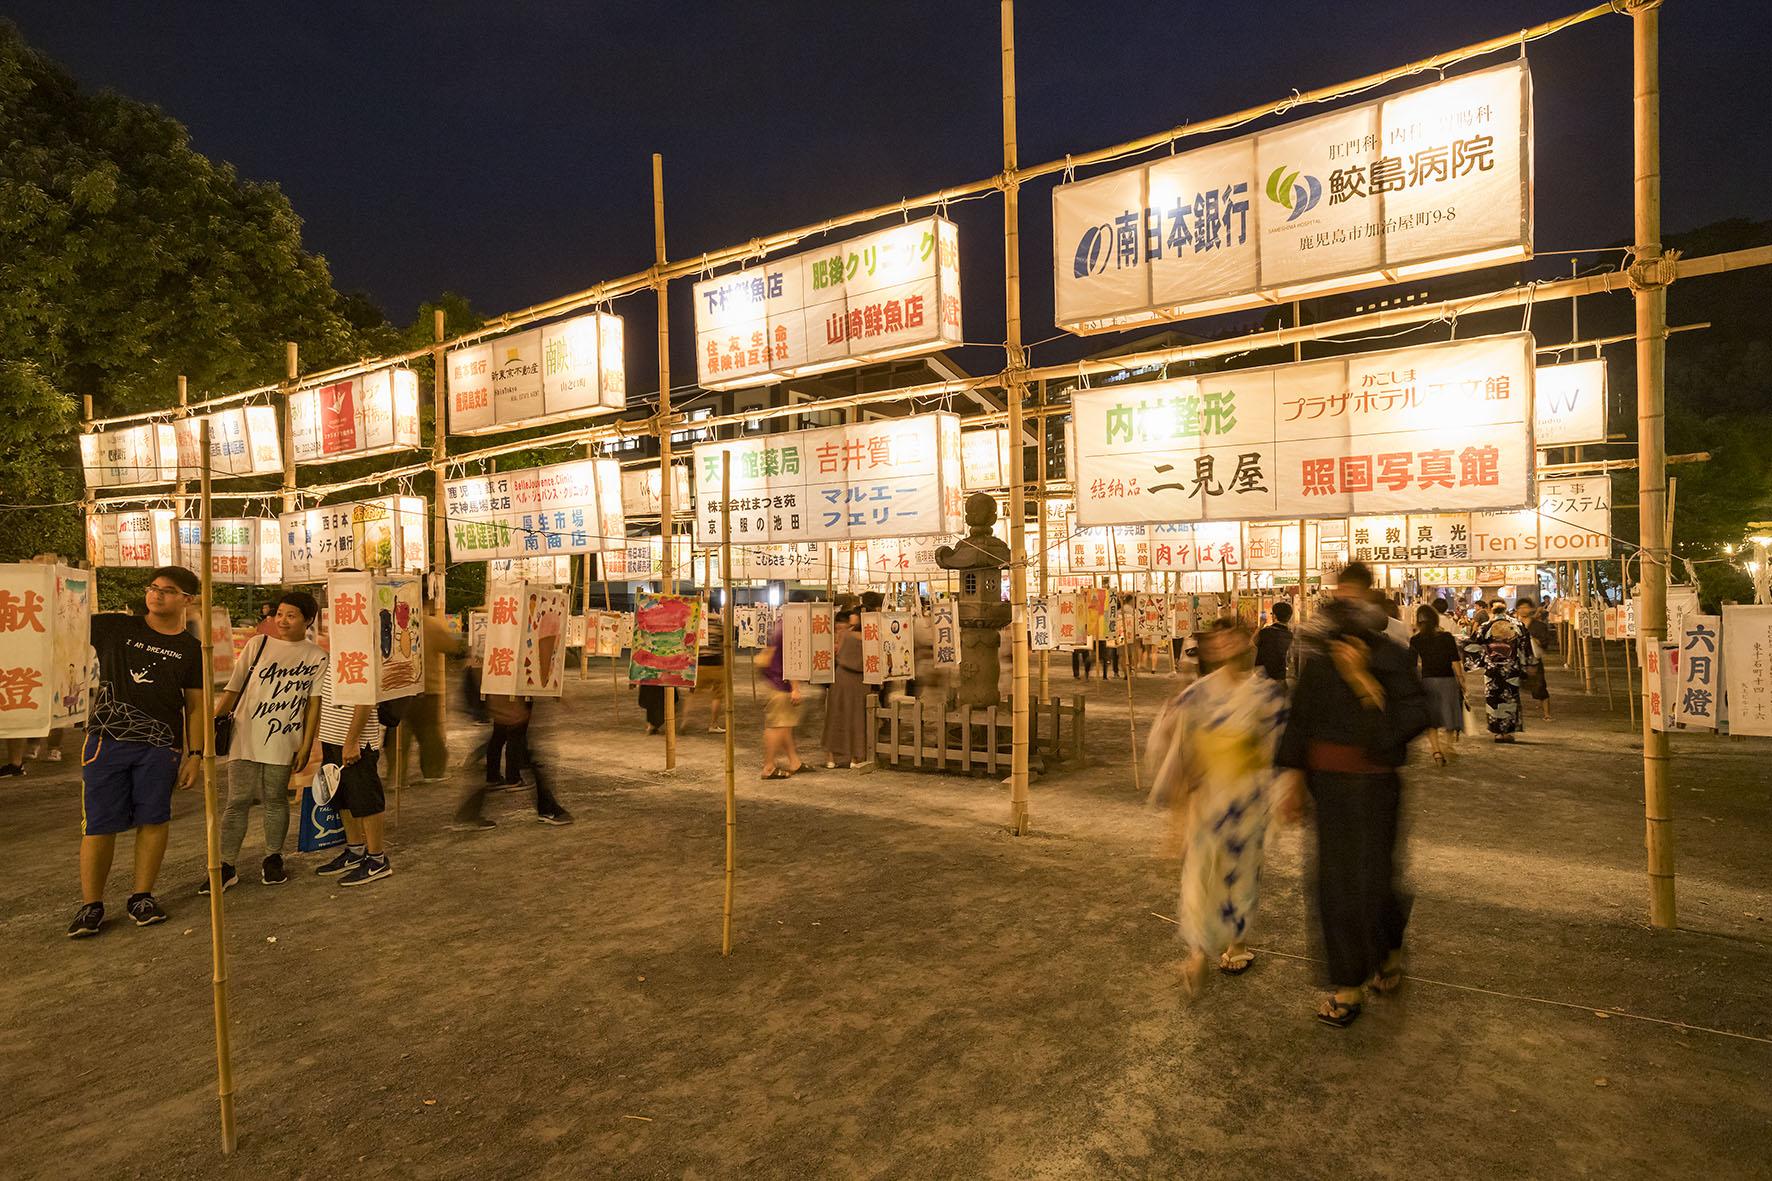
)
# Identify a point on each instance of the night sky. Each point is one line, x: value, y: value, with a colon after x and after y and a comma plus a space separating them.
x: 502, y: 150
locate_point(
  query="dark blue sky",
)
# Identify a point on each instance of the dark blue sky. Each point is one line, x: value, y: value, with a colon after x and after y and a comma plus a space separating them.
x: 501, y: 150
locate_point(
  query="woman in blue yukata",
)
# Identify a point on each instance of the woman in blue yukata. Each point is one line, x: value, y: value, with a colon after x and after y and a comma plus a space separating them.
x: 1212, y: 751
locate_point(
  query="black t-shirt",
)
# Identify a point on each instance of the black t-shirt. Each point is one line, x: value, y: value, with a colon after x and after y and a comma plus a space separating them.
x: 1437, y: 652
x: 142, y: 678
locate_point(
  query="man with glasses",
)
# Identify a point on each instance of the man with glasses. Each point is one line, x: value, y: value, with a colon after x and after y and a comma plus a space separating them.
x: 143, y: 739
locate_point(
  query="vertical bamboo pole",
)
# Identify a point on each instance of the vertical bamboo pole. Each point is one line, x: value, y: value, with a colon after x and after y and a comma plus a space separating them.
x: 666, y: 520
x: 1126, y: 658
x: 729, y: 655
x: 614, y: 661
x: 1585, y: 579
x: 1045, y: 568
x: 1651, y: 306
x: 180, y: 503
x: 291, y: 362
x: 1630, y: 691
x: 439, y: 542
x: 218, y: 948
x: 1605, y: 657
x: 1015, y: 389
x: 88, y: 503
x: 584, y: 611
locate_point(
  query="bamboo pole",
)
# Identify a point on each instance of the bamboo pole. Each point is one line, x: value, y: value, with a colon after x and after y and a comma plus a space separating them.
x: 291, y: 364
x: 1649, y: 283
x: 435, y: 663
x: 88, y: 503
x: 666, y: 519
x: 729, y: 655
x: 218, y: 947
x: 1605, y: 657
x: 1015, y: 392
x: 1045, y: 564
x: 1127, y: 659
x: 614, y: 661
x: 180, y: 505
x: 1630, y: 691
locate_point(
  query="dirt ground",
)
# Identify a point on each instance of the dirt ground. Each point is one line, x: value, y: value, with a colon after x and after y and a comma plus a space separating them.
x: 912, y: 992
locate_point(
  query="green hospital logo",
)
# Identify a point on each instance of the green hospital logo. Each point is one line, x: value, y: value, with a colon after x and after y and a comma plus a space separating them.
x: 1293, y: 191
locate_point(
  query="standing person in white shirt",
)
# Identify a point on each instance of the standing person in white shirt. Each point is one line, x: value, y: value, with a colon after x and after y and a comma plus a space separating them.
x: 348, y: 735
x: 274, y: 698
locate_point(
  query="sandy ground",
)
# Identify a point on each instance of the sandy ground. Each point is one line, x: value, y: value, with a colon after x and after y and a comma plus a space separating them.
x: 912, y: 992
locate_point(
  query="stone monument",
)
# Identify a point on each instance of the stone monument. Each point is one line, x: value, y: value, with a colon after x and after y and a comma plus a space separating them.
x: 980, y: 559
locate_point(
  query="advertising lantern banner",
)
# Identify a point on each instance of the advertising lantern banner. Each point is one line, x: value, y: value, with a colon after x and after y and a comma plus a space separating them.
x: 121, y: 456
x: 541, y: 650
x: 1041, y: 636
x: 359, y: 416
x: 796, y: 641
x: 885, y: 478
x: 640, y: 489
x: 1569, y: 404
x: 1423, y: 429
x: 664, y: 644
x: 1747, y: 668
x: 574, y: 368
x: 45, y: 647
x: 139, y: 539
x: 1699, y: 699
x: 377, y: 638
x: 892, y: 293
x: 383, y: 534
x: 563, y: 508
x: 1429, y: 181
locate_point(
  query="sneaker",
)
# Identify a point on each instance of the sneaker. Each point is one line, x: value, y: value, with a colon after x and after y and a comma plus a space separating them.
x: 145, y: 911
x: 495, y: 780
x: 228, y: 876
x: 562, y: 816
x: 11, y: 769
x: 477, y: 824
x: 55, y: 756
x: 367, y: 870
x: 87, y: 920
x: 343, y: 863
x: 271, y: 873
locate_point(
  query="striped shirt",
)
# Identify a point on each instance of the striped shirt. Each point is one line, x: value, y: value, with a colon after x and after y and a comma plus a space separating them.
x: 335, y: 720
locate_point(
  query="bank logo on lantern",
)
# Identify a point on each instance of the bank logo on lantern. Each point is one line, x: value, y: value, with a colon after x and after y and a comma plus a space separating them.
x: 1294, y: 191
x: 1093, y: 251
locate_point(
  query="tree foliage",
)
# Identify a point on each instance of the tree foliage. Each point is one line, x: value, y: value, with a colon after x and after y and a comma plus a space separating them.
x: 127, y: 259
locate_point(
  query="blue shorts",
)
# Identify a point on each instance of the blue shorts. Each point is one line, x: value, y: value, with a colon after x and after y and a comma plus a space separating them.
x: 125, y: 784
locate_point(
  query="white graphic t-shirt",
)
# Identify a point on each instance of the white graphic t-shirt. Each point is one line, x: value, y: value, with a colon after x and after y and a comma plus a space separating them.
x: 268, y: 714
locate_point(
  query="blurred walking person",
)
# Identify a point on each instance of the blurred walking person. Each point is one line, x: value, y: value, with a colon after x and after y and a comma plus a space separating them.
x: 1537, y: 637
x: 781, y: 712
x: 1442, y: 677
x: 1212, y: 754
x: 511, y: 719
x: 1357, y: 706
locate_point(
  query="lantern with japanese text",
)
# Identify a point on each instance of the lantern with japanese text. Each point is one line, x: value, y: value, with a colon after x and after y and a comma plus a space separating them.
x: 45, y: 645
x: 573, y: 368
x: 377, y: 637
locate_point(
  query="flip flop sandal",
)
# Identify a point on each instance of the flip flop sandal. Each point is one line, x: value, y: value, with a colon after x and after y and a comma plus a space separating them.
x: 1384, y: 983
x: 802, y: 769
x: 1340, y: 1014
x: 778, y: 773
x: 1235, y: 965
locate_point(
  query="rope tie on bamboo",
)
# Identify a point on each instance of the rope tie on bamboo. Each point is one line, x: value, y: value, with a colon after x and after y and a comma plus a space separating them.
x: 1650, y: 273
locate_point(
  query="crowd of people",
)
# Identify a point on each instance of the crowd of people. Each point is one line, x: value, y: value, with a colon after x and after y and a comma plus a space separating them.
x: 1324, y: 712
x: 1281, y: 722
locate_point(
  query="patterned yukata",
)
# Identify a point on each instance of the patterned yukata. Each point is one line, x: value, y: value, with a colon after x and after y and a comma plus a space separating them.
x: 1213, y: 748
x: 1501, y: 656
